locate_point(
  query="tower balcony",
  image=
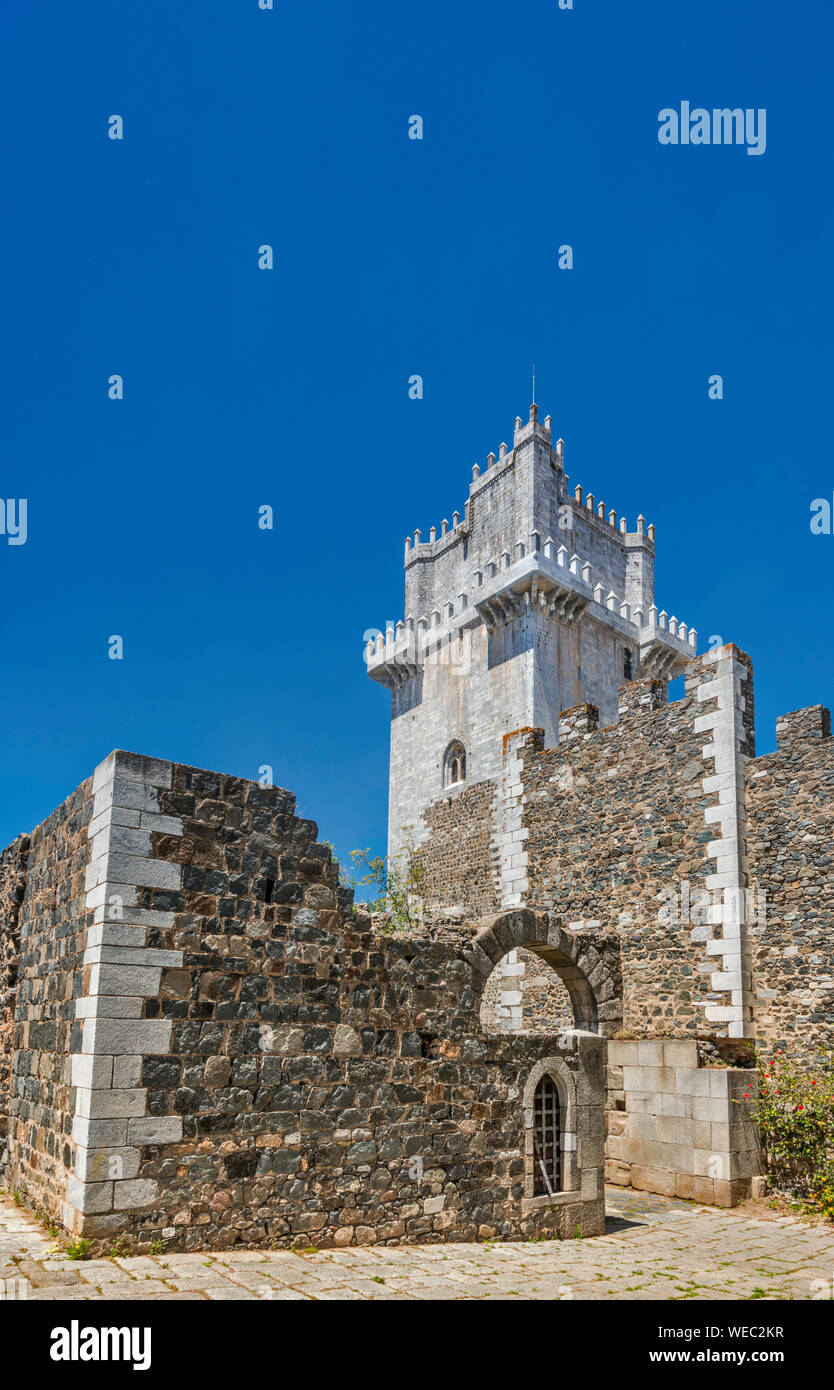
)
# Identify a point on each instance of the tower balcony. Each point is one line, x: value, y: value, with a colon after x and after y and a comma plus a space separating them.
x: 393, y: 659
x: 546, y: 578
x: 665, y: 646
x: 550, y: 578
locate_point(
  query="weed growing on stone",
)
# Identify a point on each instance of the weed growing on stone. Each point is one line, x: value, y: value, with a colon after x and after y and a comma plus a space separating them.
x: 157, y: 1247
x: 79, y: 1249
x: 400, y: 890
x: 47, y: 1221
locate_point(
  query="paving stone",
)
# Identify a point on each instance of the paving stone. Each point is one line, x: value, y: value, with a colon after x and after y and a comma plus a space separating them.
x: 712, y: 1255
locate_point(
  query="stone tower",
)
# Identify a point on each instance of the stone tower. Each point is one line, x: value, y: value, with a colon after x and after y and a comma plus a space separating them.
x: 536, y: 600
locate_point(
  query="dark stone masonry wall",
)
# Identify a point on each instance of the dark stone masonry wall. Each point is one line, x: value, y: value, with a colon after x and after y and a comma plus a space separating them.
x: 52, y: 927
x: 12, y: 887
x: 546, y: 1005
x: 457, y: 857
x: 620, y: 840
x: 615, y: 818
x: 790, y: 796
x: 332, y: 1083
x: 524, y: 994
x: 313, y: 1061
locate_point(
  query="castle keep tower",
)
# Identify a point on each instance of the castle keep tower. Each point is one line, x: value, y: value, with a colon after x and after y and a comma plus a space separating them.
x: 538, y: 599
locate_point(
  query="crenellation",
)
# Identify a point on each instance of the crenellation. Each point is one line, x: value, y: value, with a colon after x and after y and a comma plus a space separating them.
x: 804, y: 725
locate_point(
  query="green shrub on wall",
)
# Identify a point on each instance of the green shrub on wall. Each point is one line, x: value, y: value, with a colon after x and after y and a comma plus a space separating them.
x: 795, y: 1115
x: 400, y: 890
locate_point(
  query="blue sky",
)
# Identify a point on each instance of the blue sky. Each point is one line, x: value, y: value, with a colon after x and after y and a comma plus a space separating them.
x: 438, y: 257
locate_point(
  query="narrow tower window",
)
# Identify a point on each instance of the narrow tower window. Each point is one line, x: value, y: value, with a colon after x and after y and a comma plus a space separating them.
x: 454, y: 765
x: 546, y: 1139
x: 628, y: 669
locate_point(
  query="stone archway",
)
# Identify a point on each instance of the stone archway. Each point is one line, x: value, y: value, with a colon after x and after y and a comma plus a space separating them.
x: 592, y: 984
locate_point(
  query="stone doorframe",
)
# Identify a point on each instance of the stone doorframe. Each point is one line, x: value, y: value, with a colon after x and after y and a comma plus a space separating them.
x: 563, y: 1080
x: 592, y: 988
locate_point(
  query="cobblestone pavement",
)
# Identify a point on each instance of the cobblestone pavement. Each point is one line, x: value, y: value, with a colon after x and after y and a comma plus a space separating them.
x: 656, y: 1248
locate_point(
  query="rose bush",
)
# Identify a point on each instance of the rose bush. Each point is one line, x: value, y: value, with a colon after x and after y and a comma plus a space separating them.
x: 795, y: 1115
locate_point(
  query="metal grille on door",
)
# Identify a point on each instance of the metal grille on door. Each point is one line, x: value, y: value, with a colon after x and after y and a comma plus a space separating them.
x: 546, y: 1139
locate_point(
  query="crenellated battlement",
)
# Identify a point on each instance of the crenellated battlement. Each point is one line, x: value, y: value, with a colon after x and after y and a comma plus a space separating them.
x: 544, y: 576
x: 422, y: 547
